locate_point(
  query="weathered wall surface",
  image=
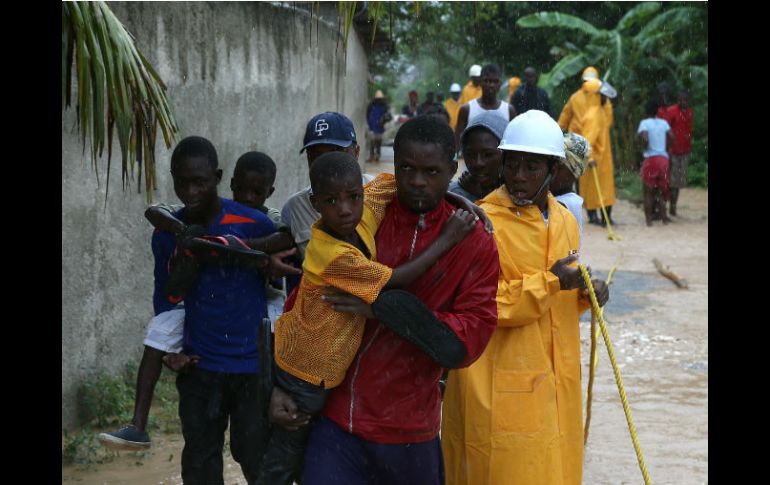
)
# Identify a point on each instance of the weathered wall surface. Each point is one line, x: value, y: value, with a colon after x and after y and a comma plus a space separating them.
x: 247, y: 76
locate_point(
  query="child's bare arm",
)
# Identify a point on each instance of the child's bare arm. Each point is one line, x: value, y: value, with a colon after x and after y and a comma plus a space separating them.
x: 455, y: 229
x: 645, y: 139
x: 164, y: 220
x: 278, y: 241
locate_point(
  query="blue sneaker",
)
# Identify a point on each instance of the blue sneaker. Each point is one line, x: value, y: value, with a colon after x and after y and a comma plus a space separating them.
x: 127, y: 438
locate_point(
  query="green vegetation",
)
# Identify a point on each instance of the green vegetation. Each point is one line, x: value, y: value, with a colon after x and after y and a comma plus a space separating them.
x: 118, y: 91
x: 106, y: 403
x: 635, y: 45
x: 628, y: 186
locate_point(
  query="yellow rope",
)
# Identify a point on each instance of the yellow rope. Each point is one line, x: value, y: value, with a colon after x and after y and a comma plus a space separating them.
x: 611, y: 235
x: 594, y: 359
x: 626, y: 408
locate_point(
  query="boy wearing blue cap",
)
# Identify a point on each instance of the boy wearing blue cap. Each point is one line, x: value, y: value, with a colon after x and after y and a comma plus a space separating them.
x: 325, y: 132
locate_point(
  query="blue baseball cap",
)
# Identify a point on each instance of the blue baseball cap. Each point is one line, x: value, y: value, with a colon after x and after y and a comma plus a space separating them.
x: 329, y: 128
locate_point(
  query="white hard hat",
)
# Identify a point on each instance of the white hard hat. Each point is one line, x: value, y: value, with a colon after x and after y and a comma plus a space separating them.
x: 533, y: 132
x: 590, y: 72
x: 455, y: 88
x: 474, y: 71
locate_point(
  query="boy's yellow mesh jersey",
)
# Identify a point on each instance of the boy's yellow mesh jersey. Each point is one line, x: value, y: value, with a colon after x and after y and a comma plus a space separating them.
x: 312, y: 341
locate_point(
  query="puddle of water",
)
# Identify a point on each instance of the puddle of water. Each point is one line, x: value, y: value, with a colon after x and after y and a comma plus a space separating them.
x: 662, y: 354
x: 701, y: 367
x: 628, y: 291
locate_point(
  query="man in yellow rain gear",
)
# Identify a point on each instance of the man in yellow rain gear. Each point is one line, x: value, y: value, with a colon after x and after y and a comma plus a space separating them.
x: 452, y: 105
x: 589, y: 113
x: 515, y: 415
x: 472, y: 88
x: 513, y: 84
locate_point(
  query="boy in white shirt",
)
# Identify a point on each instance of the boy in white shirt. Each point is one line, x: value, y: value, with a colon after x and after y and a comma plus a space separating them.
x: 656, y: 136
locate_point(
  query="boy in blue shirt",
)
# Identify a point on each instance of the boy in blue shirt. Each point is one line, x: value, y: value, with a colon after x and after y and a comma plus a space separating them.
x: 251, y: 184
x: 224, y: 309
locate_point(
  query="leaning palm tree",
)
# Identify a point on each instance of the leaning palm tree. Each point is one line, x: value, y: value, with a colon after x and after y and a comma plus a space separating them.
x: 116, y: 88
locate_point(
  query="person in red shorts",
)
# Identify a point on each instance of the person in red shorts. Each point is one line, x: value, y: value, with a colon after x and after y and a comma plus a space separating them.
x: 656, y: 136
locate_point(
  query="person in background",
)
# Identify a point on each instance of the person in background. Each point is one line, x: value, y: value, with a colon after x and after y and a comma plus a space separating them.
x: 656, y: 137
x: 529, y: 96
x: 452, y: 104
x: 472, y: 88
x: 377, y: 114
x: 679, y: 116
x: 589, y: 113
x: 410, y: 109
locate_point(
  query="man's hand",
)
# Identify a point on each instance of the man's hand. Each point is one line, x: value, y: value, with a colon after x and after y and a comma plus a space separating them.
x: 459, y: 225
x: 277, y: 268
x: 467, y: 179
x: 569, y: 277
x: 180, y: 362
x: 465, y: 204
x: 345, y: 302
x: 601, y: 289
x: 283, y: 411
x: 591, y: 164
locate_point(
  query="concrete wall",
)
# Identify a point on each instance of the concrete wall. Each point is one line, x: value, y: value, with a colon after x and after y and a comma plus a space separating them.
x: 247, y: 76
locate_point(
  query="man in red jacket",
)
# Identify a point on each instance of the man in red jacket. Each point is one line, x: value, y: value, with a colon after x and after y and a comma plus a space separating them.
x: 381, y: 424
x: 679, y: 116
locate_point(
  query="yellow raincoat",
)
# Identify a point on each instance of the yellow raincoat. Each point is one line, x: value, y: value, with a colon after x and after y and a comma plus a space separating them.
x: 584, y: 114
x: 453, y: 108
x: 513, y: 85
x: 470, y: 92
x: 515, y: 415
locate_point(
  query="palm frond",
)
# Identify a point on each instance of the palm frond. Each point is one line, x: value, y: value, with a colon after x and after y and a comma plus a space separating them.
x: 637, y: 15
x: 567, y: 67
x: 560, y: 20
x: 376, y: 20
x: 117, y: 88
x: 347, y: 12
x: 664, y: 24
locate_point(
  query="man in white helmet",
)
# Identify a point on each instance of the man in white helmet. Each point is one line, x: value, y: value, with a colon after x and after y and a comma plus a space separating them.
x: 472, y: 88
x: 515, y: 415
x: 451, y: 105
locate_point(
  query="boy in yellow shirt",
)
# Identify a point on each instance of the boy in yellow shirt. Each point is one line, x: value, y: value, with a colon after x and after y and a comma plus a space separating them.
x: 314, y: 344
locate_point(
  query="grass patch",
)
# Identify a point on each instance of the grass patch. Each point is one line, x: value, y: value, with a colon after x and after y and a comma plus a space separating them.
x: 698, y: 175
x: 79, y: 448
x: 628, y: 186
x: 104, y: 400
x: 106, y: 403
